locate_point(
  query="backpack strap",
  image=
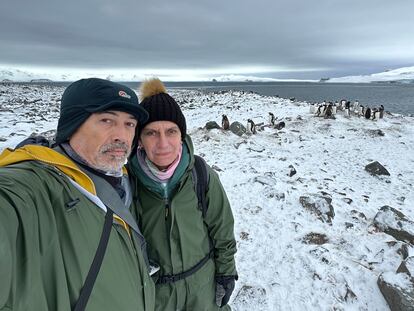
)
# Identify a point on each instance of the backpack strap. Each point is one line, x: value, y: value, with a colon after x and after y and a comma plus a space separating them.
x: 86, y: 290
x: 201, y: 179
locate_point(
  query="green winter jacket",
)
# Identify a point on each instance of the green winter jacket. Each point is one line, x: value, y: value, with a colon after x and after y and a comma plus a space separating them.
x: 47, y: 245
x: 178, y: 236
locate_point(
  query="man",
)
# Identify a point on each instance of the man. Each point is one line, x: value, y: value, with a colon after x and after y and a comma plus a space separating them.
x: 195, y: 248
x: 67, y: 238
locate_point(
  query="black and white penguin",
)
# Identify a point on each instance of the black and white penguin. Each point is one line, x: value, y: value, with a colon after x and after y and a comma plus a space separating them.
x: 367, y: 113
x: 381, y: 111
x: 225, y: 124
x: 280, y: 125
x: 251, y: 126
x: 375, y: 114
x: 271, y: 118
x: 361, y: 112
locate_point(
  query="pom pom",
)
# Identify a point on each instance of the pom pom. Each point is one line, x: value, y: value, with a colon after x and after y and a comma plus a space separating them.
x: 151, y: 87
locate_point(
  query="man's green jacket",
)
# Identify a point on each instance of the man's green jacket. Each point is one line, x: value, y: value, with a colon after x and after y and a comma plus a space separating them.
x: 49, y: 233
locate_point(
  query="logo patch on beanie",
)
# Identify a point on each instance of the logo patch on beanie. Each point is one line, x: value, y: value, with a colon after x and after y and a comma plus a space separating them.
x: 124, y: 94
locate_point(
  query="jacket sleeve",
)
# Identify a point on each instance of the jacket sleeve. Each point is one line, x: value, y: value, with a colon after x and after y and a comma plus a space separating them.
x: 220, y: 222
x: 8, y: 234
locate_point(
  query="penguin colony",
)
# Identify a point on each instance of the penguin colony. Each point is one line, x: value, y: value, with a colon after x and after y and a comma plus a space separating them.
x: 329, y: 109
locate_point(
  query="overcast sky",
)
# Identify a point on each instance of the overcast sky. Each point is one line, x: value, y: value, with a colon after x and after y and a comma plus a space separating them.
x: 268, y: 38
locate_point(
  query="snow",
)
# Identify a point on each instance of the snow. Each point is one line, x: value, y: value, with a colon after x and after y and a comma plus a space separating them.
x: 401, y: 280
x: 404, y: 74
x: 277, y: 270
x: 388, y: 219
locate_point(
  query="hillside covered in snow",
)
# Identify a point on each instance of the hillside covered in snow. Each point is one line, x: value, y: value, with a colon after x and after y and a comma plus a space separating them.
x: 400, y: 75
x: 311, y: 228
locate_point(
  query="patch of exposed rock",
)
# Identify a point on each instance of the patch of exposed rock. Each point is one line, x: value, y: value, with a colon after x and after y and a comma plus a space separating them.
x: 395, y: 223
x: 319, y: 205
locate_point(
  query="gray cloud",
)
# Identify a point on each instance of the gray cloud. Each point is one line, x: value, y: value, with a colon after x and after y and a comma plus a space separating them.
x: 293, y: 39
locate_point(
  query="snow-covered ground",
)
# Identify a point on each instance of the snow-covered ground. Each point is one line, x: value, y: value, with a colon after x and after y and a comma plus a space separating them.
x: 280, y: 263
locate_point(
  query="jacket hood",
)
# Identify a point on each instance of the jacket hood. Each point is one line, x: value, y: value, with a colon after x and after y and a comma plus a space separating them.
x: 50, y: 157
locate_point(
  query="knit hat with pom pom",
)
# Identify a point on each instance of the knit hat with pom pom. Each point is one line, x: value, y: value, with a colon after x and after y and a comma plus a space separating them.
x: 160, y: 106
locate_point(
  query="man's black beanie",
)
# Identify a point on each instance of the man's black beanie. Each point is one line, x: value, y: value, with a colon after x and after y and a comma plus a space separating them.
x: 160, y: 106
x: 87, y: 96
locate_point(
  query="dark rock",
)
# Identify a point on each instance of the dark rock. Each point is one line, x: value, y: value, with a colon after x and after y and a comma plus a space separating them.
x: 238, y: 128
x: 393, y: 222
x: 407, y: 267
x: 347, y: 200
x: 398, y: 298
x: 349, y: 225
x: 403, y: 251
x: 252, y: 296
x: 244, y: 236
x: 319, y: 205
x: 375, y: 168
x: 212, y: 125
x: 216, y: 168
x: 315, y: 238
x: 292, y: 171
x: 350, y: 295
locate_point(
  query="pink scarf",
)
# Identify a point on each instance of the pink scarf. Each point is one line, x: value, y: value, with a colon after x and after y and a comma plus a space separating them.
x: 152, y: 170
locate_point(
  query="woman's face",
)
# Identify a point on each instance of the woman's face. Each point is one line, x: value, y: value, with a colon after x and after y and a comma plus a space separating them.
x: 161, y: 141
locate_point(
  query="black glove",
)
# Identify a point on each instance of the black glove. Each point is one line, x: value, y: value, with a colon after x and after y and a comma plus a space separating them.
x: 224, y: 288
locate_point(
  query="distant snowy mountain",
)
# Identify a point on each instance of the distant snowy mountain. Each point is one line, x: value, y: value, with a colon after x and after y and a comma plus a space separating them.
x: 28, y: 75
x: 401, y: 75
x: 242, y: 78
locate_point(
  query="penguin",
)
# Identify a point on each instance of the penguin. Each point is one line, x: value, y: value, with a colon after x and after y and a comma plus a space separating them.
x: 251, y: 126
x: 356, y: 106
x: 381, y: 111
x: 334, y: 107
x: 328, y: 112
x: 321, y: 110
x: 272, y: 118
x: 375, y: 114
x: 367, y: 113
x: 361, y: 111
x: 312, y: 108
x: 343, y: 103
x: 225, y: 124
x: 280, y: 125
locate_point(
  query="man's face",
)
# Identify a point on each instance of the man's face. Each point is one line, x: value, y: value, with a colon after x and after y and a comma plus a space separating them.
x: 161, y: 141
x: 104, y: 140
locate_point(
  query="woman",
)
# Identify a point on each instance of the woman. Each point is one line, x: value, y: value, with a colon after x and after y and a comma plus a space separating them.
x: 195, y: 253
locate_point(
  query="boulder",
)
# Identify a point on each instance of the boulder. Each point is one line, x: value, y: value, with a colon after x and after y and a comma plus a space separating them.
x: 375, y: 168
x: 292, y: 170
x: 397, y: 290
x: 238, y: 128
x: 393, y: 222
x: 319, y: 205
x: 212, y: 125
x: 407, y: 267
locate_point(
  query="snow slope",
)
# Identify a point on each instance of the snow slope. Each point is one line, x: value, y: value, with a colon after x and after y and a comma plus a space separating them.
x: 405, y: 74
